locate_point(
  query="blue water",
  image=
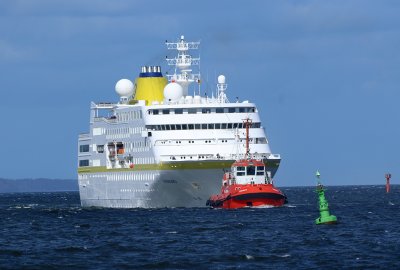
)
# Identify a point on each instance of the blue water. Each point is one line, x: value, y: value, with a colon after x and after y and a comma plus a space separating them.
x: 52, y: 231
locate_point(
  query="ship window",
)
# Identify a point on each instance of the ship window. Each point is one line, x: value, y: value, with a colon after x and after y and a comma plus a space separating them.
x: 191, y: 111
x: 100, y: 148
x: 219, y: 110
x: 178, y: 111
x: 83, y: 163
x: 162, y: 127
x: 217, y: 126
x: 252, y: 109
x: 191, y: 126
x: 184, y: 126
x: 197, y: 126
x: 84, y: 148
x: 231, y: 110
x: 260, y: 170
x: 165, y: 111
x: 240, y: 125
x: 155, y: 111
x: 229, y: 125
x: 223, y: 126
x: 178, y: 127
x: 256, y: 125
x: 167, y: 127
x: 251, y: 170
x: 241, y: 110
x: 158, y: 127
x: 203, y: 126
x: 205, y: 110
x: 172, y: 127
x: 235, y: 125
x: 210, y: 126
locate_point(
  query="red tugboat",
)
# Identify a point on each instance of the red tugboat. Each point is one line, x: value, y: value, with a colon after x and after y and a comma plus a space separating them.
x: 247, y: 185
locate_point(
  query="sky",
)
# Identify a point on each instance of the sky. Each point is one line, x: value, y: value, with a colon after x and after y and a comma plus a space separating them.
x: 325, y: 76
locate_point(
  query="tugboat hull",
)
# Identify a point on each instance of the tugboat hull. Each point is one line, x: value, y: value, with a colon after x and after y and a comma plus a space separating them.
x: 248, y: 196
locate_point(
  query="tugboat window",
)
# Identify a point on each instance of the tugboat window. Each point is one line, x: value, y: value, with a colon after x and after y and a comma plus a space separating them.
x: 251, y: 170
x: 240, y: 171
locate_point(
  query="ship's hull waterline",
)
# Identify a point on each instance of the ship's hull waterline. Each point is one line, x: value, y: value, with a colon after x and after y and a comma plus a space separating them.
x: 150, y: 188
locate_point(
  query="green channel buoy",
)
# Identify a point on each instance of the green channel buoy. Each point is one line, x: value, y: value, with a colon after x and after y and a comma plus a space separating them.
x: 324, y: 216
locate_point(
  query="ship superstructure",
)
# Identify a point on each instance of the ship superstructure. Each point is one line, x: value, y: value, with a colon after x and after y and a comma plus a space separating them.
x: 160, y: 146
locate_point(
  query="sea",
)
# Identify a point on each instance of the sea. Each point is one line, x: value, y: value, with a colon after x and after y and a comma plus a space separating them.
x: 52, y: 231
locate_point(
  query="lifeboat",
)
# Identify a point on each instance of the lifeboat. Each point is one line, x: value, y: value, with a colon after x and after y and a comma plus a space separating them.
x: 248, y: 184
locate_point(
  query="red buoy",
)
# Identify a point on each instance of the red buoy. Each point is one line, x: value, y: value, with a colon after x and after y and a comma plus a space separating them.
x: 388, y: 176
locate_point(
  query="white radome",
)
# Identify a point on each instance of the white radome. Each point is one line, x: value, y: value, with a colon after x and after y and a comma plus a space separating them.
x: 221, y: 79
x: 124, y: 88
x: 173, y: 92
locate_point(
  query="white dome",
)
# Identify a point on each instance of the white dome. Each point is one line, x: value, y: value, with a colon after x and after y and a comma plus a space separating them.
x: 173, y: 92
x: 221, y: 79
x: 124, y: 88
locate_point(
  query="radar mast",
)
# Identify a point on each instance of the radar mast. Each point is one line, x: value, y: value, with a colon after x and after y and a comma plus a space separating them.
x: 183, y: 62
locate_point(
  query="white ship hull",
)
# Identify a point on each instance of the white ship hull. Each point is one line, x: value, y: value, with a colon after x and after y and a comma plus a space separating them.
x: 149, y: 189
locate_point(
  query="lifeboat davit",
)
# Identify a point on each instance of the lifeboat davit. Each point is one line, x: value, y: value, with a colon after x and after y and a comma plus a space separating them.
x: 248, y: 184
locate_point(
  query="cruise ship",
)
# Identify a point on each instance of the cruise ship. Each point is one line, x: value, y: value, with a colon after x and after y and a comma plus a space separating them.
x: 164, y: 142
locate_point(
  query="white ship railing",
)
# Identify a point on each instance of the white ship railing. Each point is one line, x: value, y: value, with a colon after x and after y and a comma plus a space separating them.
x: 209, y: 157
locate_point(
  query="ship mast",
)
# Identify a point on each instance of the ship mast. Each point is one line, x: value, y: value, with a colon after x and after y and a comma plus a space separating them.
x: 183, y: 73
x: 247, y: 123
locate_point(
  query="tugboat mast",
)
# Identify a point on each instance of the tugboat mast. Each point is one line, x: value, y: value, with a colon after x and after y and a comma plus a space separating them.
x: 247, y: 123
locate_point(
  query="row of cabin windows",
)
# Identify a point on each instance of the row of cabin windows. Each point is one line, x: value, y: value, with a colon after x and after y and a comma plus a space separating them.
x: 249, y: 170
x: 202, y: 110
x: 201, y: 126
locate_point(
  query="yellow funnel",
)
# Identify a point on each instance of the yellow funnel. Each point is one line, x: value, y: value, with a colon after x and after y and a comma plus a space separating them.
x: 150, y: 85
